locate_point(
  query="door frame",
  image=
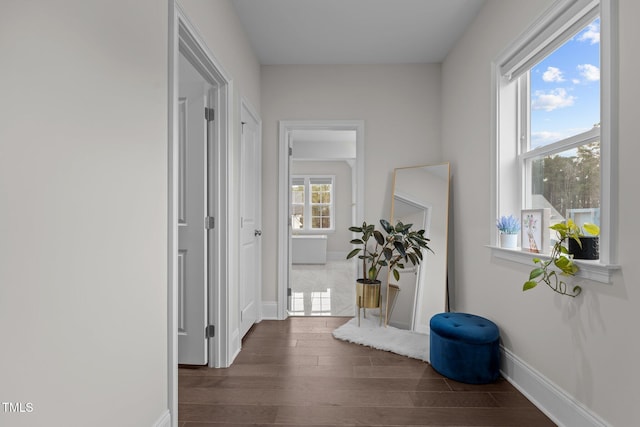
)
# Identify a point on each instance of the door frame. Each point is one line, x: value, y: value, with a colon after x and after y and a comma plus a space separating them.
x: 358, y: 185
x: 184, y: 37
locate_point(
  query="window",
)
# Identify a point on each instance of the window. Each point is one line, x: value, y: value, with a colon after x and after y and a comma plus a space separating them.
x: 559, y: 122
x: 554, y: 140
x: 312, y: 205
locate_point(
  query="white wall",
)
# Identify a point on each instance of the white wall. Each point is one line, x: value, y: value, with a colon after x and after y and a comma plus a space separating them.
x: 588, y: 346
x: 338, y: 240
x: 83, y: 211
x: 223, y: 35
x: 400, y: 105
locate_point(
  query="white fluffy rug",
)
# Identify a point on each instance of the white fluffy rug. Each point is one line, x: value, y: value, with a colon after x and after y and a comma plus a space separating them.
x: 371, y: 334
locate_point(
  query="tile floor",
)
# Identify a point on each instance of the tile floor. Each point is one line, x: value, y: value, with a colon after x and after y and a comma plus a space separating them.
x: 323, y: 290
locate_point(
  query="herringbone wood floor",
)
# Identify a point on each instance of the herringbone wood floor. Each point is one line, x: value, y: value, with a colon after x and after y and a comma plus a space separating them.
x: 294, y: 373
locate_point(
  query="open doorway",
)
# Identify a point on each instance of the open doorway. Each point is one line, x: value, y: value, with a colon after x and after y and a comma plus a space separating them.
x: 321, y: 194
x: 185, y: 43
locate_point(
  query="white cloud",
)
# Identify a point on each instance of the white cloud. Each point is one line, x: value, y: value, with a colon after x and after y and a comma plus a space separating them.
x: 542, y: 138
x: 549, y: 101
x: 575, y: 81
x: 591, y: 34
x: 545, y: 137
x: 591, y: 73
x: 552, y: 74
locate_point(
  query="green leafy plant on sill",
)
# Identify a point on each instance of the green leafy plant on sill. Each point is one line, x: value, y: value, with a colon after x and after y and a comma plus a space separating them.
x: 561, y: 259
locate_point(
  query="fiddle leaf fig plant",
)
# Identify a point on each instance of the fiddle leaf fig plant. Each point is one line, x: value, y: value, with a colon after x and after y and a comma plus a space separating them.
x: 561, y: 259
x: 398, y: 245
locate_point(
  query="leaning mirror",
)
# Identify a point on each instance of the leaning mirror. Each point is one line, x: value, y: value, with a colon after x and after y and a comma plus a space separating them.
x: 420, y: 197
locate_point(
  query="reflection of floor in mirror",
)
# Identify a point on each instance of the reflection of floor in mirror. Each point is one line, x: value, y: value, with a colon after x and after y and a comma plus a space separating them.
x: 323, y: 290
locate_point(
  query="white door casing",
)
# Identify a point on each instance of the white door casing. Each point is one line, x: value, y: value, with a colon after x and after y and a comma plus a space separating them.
x: 192, y: 208
x: 284, y: 190
x: 185, y: 38
x: 250, y: 286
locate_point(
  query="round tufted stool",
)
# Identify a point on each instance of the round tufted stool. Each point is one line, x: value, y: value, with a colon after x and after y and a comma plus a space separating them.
x: 464, y: 347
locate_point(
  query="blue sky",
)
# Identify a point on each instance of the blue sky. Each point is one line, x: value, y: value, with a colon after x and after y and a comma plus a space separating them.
x: 565, y: 89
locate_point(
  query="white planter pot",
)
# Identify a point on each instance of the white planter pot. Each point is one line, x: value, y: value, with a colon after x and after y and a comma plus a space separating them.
x: 509, y: 241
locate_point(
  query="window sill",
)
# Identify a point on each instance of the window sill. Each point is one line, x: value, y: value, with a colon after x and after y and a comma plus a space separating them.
x: 591, y: 270
x: 300, y: 231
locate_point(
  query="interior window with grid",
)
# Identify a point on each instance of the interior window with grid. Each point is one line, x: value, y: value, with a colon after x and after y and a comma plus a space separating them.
x: 312, y: 205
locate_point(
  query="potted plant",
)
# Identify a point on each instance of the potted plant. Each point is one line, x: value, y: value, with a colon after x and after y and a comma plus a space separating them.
x: 561, y: 258
x: 588, y: 244
x: 397, y: 246
x: 509, y: 227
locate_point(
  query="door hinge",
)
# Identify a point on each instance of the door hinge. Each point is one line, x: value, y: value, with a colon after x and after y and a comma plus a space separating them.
x: 291, y: 151
x: 209, y: 222
x: 288, y: 292
x: 209, y: 114
x: 209, y: 331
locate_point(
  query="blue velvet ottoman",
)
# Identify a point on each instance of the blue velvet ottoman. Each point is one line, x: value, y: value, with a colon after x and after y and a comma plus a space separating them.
x: 464, y: 347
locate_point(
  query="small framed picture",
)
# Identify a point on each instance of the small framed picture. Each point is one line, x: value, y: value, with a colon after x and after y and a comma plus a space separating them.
x: 535, y: 230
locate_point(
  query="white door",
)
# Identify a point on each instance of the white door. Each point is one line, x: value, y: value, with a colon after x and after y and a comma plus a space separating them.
x: 250, y: 220
x: 192, y: 199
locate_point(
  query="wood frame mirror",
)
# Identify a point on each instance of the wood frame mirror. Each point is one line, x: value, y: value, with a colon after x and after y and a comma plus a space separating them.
x: 420, y: 197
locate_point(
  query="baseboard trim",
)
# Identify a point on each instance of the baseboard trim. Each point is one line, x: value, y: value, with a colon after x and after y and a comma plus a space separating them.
x: 562, y: 408
x: 164, y: 420
x: 235, y: 346
x: 269, y: 310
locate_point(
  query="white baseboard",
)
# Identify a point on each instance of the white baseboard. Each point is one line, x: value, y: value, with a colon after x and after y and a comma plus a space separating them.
x: 164, y: 420
x: 562, y: 408
x: 269, y: 310
x: 235, y: 345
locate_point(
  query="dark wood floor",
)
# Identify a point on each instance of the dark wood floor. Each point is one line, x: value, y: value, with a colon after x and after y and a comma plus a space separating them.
x: 295, y: 373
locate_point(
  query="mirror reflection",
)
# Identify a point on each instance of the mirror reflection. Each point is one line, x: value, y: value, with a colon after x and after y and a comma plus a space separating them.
x: 421, y: 197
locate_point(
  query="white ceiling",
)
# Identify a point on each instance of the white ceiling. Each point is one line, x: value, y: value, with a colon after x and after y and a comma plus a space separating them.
x: 354, y: 31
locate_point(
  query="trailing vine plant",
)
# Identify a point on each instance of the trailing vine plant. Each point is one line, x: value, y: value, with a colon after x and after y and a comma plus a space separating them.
x: 561, y: 259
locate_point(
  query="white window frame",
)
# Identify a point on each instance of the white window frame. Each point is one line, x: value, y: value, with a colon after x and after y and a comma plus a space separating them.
x: 306, y: 228
x: 507, y: 196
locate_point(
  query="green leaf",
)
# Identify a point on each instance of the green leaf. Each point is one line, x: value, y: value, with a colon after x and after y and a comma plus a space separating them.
x: 357, y: 242
x: 396, y: 274
x: 356, y: 229
x: 400, y: 248
x: 388, y: 253
x: 414, y: 260
x: 536, y: 272
x: 379, y: 237
x: 591, y: 228
x: 353, y: 253
x: 530, y: 284
x: 537, y: 260
x: 387, y: 227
